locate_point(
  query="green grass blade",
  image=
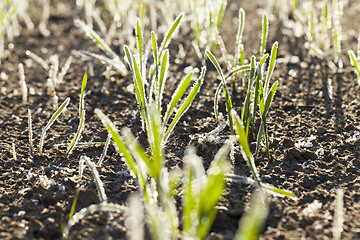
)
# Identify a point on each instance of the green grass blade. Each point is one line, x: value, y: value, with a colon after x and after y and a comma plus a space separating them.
x: 98, y: 183
x: 263, y: 59
x: 51, y: 121
x: 82, y: 94
x: 265, y: 30
x: 77, y: 134
x: 139, y: 43
x: 244, y: 144
x: 121, y: 147
x: 117, y: 140
x: 250, y: 225
x: 186, y: 104
x: 118, y: 66
x: 170, y: 33
x: 162, y: 78
x: 237, y: 69
x: 256, y: 99
x: 269, y: 188
x: 271, y: 65
x: 354, y: 62
x: 73, y: 205
x: 139, y: 153
x: 108, y: 207
x: 154, y: 47
x: 177, y: 96
x: 227, y: 95
x: 139, y: 86
x: 280, y: 192
x: 216, y: 101
x: 246, y: 109
x: 156, y: 139
x: 239, y: 35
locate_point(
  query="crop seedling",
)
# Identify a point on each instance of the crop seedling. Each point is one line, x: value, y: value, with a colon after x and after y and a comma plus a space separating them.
x: 258, y: 96
x: 250, y: 224
x: 81, y: 117
x: 201, y: 191
x: 355, y: 60
x: 155, y: 86
x: 245, y: 151
x: 51, y: 121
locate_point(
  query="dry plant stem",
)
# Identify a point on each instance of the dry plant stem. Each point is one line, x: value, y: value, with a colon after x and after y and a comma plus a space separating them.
x: 44, y: 19
x: 24, y: 90
x: 31, y: 147
x: 13, y: 151
x: 339, y: 214
x: 103, y: 154
x: 37, y: 59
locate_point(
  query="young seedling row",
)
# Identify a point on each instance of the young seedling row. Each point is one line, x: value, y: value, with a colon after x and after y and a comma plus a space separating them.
x: 137, y: 41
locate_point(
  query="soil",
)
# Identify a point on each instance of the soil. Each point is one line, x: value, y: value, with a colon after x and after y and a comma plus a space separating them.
x: 314, y: 134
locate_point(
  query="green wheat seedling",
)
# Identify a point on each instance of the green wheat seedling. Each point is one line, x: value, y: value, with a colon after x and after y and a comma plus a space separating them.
x: 205, y: 18
x: 250, y: 224
x: 51, y: 121
x: 7, y: 10
x: 258, y: 96
x: 224, y: 87
x: 245, y: 151
x: 81, y: 117
x: 322, y: 32
x: 201, y: 191
x: 144, y: 91
x: 355, y: 61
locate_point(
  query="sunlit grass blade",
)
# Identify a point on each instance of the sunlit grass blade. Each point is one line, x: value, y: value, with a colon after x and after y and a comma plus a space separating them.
x: 121, y: 147
x: 271, y: 65
x: 77, y: 134
x: 82, y: 95
x: 211, y: 193
x: 170, y: 33
x: 185, y: 106
x: 107, y: 207
x: 183, y: 85
x: 93, y: 35
x: 98, y: 183
x: 237, y: 69
x: 120, y: 67
x: 51, y: 121
x: 264, y: 108
x: 250, y: 225
x: 267, y: 187
x: 355, y: 63
x: 154, y: 47
x: 227, y: 95
x: 239, y: 36
x: 117, y: 140
x: 265, y: 31
x: 139, y: 85
x: 162, y: 78
x: 246, y: 114
x: 277, y: 191
x: 244, y: 144
x: 155, y: 139
x: 263, y: 59
x: 139, y: 44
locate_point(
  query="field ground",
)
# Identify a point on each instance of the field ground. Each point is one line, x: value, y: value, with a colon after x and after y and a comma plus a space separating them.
x: 314, y: 134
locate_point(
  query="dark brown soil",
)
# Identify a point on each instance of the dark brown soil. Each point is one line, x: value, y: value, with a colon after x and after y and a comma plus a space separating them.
x: 302, y: 112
